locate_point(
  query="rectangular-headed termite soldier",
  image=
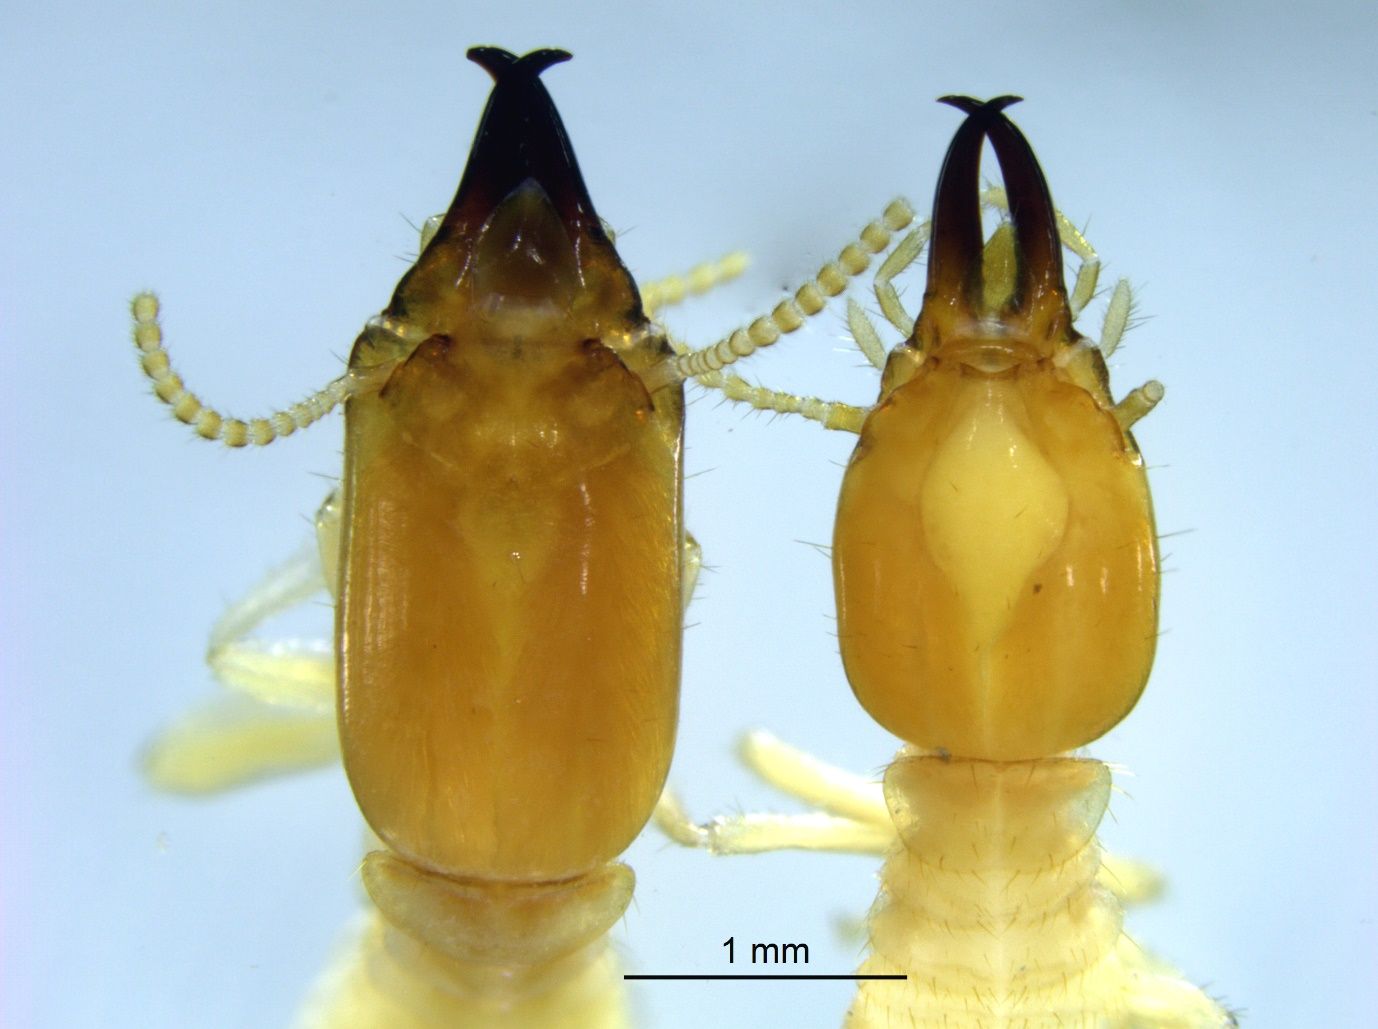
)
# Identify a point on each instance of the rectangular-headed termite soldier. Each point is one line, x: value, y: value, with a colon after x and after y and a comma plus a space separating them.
x: 508, y: 557
x: 996, y: 572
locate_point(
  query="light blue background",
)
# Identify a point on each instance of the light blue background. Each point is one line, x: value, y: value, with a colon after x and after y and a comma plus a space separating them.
x: 259, y: 167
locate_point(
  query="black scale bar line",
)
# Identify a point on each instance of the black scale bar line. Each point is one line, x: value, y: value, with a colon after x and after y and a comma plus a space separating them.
x: 747, y: 976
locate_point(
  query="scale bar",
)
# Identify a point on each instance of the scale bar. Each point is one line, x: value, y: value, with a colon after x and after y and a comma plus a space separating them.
x: 749, y: 976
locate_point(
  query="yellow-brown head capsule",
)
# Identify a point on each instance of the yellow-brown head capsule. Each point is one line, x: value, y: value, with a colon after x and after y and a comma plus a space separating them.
x: 994, y: 554
x: 509, y: 618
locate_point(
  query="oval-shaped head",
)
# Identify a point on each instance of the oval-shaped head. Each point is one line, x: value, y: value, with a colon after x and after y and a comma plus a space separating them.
x: 509, y: 617
x: 994, y: 551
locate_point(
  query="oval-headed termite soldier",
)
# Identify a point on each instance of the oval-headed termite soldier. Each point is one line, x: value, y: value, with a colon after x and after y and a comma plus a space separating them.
x: 994, y: 551
x: 507, y: 551
x: 996, y: 572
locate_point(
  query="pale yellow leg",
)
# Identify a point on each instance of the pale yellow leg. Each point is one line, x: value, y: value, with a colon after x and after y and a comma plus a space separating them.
x: 760, y: 833
x: 282, y: 719
x: 232, y: 741
x: 852, y: 817
x: 824, y: 786
x: 294, y: 673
